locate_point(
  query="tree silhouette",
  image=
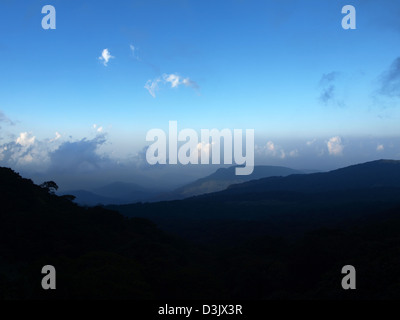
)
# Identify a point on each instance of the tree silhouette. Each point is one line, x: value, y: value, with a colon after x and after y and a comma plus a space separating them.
x: 50, y: 186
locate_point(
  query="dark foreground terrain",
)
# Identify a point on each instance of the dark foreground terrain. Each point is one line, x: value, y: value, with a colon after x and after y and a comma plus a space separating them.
x: 273, y: 238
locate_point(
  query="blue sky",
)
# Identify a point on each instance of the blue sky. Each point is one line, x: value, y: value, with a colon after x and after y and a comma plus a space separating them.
x: 284, y: 68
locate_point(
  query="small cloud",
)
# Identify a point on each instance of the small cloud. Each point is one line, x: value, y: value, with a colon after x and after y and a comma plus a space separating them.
x: 58, y: 136
x: 328, y: 78
x: 328, y: 89
x: 335, y: 146
x: 105, y: 57
x: 327, y: 94
x: 152, y: 86
x: 271, y: 146
x: 174, y: 80
x: 380, y: 147
x: 271, y: 149
x: 190, y: 83
x: 98, y: 128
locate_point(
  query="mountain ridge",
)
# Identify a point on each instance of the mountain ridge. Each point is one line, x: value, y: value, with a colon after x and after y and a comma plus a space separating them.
x: 369, y: 174
x: 221, y: 179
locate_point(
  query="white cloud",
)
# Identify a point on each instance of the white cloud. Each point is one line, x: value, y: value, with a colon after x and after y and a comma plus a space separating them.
x: 173, y: 79
x: 271, y: 149
x: 271, y: 146
x: 78, y: 156
x: 190, y: 83
x: 58, y: 136
x: 105, y: 56
x: 177, y: 80
x: 98, y: 128
x: 335, y: 146
x: 275, y: 150
x: 25, y: 139
x: 380, y: 147
x: 152, y: 86
x: 26, y: 150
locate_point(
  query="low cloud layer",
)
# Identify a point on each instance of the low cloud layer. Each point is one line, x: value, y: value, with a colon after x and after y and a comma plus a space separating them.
x: 78, y: 156
x: 84, y: 163
x: 28, y: 152
x: 25, y: 151
x: 272, y: 150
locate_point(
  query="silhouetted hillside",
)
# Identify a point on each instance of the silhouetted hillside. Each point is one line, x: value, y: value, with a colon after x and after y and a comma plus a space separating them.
x: 375, y: 174
x: 302, y: 201
x: 97, y: 252
x: 263, y: 245
x: 222, y: 179
x: 87, y: 198
x: 126, y: 192
x: 113, y: 193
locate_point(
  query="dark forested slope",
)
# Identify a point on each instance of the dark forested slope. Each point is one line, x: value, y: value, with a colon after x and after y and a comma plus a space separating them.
x: 97, y: 252
x: 268, y: 245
